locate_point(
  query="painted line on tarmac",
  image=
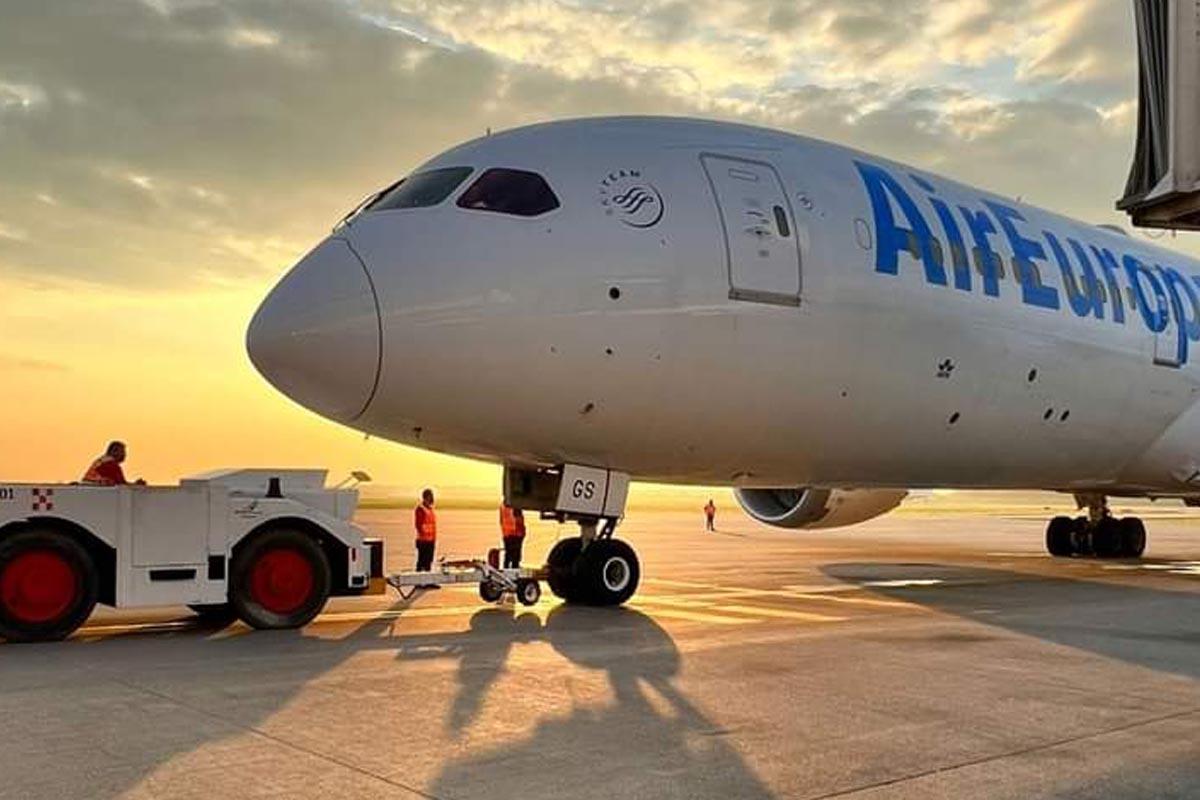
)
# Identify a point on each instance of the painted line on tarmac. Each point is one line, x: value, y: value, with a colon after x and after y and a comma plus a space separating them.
x: 135, y: 627
x: 685, y: 584
x: 823, y: 597
x: 779, y: 613
x: 690, y: 616
x: 679, y: 601
x: 821, y: 594
x: 426, y: 613
x: 1170, y: 567
x: 710, y: 608
x: 861, y: 601
x: 678, y: 605
x: 1019, y: 555
x: 385, y: 615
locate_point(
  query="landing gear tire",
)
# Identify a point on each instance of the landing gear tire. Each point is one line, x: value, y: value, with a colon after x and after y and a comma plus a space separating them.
x: 1081, y: 538
x: 1132, y: 534
x: 214, y: 613
x: 1060, y: 537
x: 609, y: 572
x: 490, y: 592
x: 561, y: 568
x: 529, y: 592
x: 48, y: 586
x: 1107, y: 538
x: 280, y: 579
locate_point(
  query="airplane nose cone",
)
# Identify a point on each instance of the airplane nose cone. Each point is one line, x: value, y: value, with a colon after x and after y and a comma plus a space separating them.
x: 316, y: 337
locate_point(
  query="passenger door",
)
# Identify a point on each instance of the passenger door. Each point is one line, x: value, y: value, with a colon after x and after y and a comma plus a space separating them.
x: 761, y: 246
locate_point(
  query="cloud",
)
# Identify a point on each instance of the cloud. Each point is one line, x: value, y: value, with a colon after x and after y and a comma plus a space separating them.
x: 197, y: 140
x: 1088, y: 45
x: 10, y: 364
x: 252, y: 37
x: 12, y: 234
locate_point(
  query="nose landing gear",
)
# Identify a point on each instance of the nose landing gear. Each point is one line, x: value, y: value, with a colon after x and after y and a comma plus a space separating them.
x: 1098, y: 534
x: 592, y: 568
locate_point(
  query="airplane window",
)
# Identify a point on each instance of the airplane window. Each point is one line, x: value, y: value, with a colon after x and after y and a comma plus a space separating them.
x: 1030, y: 269
x: 510, y: 191
x: 935, y: 245
x: 959, y: 252
x: 981, y: 259
x: 421, y: 190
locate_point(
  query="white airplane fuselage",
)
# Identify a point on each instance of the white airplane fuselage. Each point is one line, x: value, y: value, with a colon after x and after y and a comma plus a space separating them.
x: 718, y: 304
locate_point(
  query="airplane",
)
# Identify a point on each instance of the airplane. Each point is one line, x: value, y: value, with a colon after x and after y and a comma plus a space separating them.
x: 687, y: 301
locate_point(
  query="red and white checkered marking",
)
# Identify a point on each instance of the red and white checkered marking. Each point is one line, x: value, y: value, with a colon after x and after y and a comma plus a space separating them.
x: 43, y: 499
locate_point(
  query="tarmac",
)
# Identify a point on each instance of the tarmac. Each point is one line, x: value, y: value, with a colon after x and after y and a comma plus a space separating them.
x: 922, y: 655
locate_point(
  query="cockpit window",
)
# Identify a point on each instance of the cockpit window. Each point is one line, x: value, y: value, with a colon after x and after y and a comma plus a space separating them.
x: 510, y: 191
x: 422, y: 189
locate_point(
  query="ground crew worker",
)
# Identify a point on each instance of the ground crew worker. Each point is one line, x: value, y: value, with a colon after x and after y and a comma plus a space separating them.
x: 425, y: 521
x: 710, y: 514
x: 106, y: 470
x: 512, y: 531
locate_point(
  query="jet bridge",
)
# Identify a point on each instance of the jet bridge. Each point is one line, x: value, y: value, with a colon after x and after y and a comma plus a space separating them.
x: 1163, y: 190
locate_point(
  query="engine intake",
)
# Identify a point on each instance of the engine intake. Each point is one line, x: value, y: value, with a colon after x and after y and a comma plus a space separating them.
x: 809, y: 509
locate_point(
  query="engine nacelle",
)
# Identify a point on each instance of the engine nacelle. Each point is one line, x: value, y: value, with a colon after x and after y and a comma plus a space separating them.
x: 817, y: 508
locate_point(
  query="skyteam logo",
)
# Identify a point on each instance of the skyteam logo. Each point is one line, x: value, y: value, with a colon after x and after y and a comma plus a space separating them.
x: 626, y: 195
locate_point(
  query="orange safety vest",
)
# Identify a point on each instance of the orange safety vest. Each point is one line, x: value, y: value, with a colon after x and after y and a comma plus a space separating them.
x: 426, y: 521
x: 510, y: 524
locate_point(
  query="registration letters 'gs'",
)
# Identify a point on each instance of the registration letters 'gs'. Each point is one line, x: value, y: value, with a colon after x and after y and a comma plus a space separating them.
x: 583, y: 490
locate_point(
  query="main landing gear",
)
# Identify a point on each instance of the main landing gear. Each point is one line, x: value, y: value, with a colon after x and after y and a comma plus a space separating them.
x: 1099, y: 534
x: 593, y: 568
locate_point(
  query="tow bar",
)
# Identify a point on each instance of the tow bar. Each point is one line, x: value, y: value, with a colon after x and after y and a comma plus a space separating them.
x: 494, y: 581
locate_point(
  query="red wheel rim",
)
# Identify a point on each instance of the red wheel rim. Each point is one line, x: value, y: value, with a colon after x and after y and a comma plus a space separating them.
x: 38, y: 586
x: 282, y: 580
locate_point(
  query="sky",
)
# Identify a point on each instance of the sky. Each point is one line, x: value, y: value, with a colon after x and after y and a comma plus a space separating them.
x: 163, y: 162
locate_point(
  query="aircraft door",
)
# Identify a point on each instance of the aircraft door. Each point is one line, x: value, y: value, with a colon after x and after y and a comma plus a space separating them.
x: 761, y: 246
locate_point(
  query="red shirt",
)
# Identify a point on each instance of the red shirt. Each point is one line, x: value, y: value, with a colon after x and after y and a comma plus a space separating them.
x: 105, y: 471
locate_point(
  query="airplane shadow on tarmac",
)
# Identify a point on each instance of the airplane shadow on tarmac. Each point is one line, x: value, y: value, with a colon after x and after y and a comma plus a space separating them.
x: 1148, y: 627
x: 646, y: 739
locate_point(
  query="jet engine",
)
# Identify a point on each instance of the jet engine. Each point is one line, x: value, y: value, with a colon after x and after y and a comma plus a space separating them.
x: 809, y: 508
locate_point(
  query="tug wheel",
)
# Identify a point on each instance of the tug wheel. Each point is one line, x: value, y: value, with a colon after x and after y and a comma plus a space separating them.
x: 529, y: 592
x: 279, y: 579
x: 48, y: 586
x: 490, y: 592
